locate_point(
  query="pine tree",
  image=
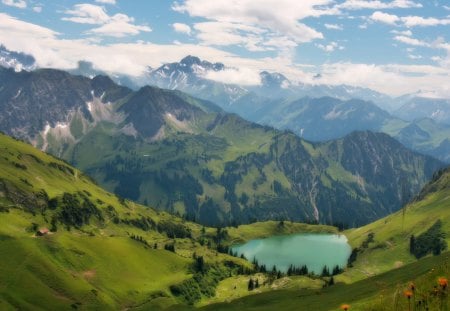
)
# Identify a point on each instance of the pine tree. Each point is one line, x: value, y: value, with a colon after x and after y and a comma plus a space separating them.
x: 412, y: 244
x: 325, y: 271
x: 331, y: 281
x: 336, y: 270
x: 251, y: 284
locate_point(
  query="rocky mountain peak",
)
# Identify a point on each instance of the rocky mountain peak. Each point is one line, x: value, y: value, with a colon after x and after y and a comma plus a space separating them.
x: 273, y: 79
x: 190, y: 60
x: 16, y: 60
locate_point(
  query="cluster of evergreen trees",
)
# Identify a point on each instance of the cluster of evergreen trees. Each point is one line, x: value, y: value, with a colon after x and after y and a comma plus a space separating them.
x: 139, y: 239
x: 253, y: 284
x: 364, y: 245
x: 431, y: 241
x: 292, y: 270
x: 204, y: 281
x: 76, y: 213
x: 171, y: 229
x: 170, y: 247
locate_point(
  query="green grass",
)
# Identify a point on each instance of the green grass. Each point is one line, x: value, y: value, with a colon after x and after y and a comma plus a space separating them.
x: 99, y: 272
x: 392, y: 233
x: 237, y: 287
x: 381, y: 273
x: 382, y: 292
x: 97, y: 266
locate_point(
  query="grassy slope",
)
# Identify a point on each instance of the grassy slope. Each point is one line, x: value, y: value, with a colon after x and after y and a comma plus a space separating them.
x: 383, y: 292
x: 392, y: 233
x: 382, y: 271
x: 99, y: 266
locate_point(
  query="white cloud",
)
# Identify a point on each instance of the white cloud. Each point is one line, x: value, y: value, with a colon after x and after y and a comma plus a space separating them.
x: 118, y: 25
x: 234, y: 22
x: 403, y: 79
x: 21, y: 4
x: 408, y: 21
x: 436, y: 58
x: 182, y: 28
x: 446, y: 7
x: 225, y: 33
x: 413, y: 21
x: 334, y: 26
x: 243, y: 76
x: 37, y: 9
x: 376, y: 5
x: 407, y: 33
x: 133, y: 58
x: 385, y: 18
x: 411, y: 41
x: 87, y: 14
x: 106, y: 1
x: 414, y: 57
x: 331, y: 47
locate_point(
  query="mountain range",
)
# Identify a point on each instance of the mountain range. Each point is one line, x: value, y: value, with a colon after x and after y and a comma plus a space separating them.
x: 175, y: 152
x: 316, y: 112
x: 265, y: 103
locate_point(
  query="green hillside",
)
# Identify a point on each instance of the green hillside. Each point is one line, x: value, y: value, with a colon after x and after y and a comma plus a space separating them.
x: 95, y: 264
x: 186, y: 156
x: 102, y: 252
x: 382, y: 292
x: 384, y: 267
x: 391, y: 243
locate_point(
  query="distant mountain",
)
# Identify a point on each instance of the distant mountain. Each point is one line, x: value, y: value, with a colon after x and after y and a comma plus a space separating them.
x: 87, y: 69
x: 184, y: 74
x: 16, y: 60
x: 424, y: 135
x: 47, y: 99
x: 316, y: 112
x: 187, y: 156
x: 321, y: 119
x: 190, y: 75
x: 420, y: 107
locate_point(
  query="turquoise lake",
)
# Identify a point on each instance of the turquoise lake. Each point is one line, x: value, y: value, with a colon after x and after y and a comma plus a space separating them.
x: 313, y: 250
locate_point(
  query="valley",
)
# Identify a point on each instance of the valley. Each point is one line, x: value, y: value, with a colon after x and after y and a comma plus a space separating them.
x: 101, y: 251
x: 89, y: 260
x: 244, y: 155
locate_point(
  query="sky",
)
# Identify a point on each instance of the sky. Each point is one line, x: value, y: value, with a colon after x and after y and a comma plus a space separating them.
x: 392, y: 46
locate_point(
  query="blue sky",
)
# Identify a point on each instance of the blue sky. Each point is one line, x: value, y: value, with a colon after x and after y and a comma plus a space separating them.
x: 393, y: 46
